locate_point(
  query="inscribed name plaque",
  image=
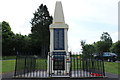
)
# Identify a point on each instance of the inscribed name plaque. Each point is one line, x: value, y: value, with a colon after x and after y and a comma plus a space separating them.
x: 59, y: 39
x: 59, y: 63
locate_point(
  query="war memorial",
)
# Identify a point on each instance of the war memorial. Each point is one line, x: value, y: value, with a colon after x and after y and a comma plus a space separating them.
x: 59, y: 62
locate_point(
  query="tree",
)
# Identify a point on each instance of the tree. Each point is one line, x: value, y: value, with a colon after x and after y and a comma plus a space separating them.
x: 116, y: 48
x: 12, y: 43
x: 106, y: 37
x: 106, y: 41
x: 87, y: 49
x: 100, y: 46
x: 7, y: 36
x: 22, y: 43
x: 82, y: 43
x: 40, y: 30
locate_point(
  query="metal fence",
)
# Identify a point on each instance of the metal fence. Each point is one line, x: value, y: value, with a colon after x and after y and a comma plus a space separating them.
x: 29, y: 66
x: 35, y: 66
x: 86, y: 66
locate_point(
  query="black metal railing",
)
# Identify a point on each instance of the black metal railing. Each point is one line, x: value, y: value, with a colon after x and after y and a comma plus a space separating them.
x: 86, y: 66
x: 73, y: 65
x: 30, y: 66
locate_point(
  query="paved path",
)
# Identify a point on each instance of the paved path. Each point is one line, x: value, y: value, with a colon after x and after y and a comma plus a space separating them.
x: 110, y: 75
x: 8, y: 76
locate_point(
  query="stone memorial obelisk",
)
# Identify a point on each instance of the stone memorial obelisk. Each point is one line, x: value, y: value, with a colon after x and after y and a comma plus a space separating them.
x: 59, y: 62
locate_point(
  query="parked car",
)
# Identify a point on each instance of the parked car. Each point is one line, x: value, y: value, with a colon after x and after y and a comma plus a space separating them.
x: 106, y: 56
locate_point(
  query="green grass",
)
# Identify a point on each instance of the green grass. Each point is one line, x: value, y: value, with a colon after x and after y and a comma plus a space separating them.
x: 9, y: 66
x: 41, y: 64
x: 78, y: 65
x: 8, y: 57
x: 112, y: 67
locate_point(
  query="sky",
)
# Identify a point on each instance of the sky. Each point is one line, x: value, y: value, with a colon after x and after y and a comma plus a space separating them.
x: 87, y: 19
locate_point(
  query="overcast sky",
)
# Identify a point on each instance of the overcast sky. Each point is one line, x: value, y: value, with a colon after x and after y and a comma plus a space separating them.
x: 87, y: 19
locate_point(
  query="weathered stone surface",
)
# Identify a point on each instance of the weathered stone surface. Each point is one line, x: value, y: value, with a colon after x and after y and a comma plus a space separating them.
x: 58, y: 14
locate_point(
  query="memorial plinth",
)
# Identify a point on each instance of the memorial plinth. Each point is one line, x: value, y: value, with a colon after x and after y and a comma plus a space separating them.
x: 58, y: 55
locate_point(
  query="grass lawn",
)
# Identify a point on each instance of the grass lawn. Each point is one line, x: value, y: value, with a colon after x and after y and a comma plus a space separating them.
x: 112, y: 67
x: 9, y: 66
x: 7, y: 57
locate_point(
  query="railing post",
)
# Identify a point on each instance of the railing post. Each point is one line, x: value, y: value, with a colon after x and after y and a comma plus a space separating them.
x: 103, y: 66
x: 77, y: 64
x: 16, y: 64
x: 70, y: 65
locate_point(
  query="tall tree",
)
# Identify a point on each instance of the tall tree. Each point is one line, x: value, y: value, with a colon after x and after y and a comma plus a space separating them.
x: 7, y: 35
x: 82, y: 43
x: 106, y: 37
x: 12, y: 43
x: 107, y: 40
x: 40, y: 30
